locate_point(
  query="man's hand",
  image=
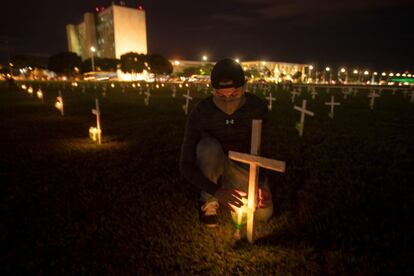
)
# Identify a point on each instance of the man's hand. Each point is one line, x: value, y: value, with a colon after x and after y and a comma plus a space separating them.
x: 230, y: 198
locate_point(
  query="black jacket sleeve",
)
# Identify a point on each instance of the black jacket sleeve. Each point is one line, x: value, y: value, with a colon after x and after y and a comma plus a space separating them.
x: 188, y: 163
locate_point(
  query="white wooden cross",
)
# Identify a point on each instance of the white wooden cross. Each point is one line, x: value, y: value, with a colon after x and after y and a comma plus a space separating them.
x: 188, y: 98
x: 405, y: 93
x: 59, y: 104
x: 346, y: 92
x: 294, y: 94
x: 271, y: 100
x: 174, y: 90
x: 147, y: 97
x: 206, y: 89
x: 354, y: 91
x: 104, y: 88
x: 313, y: 92
x: 332, y: 103
x: 373, y: 95
x: 255, y: 161
x: 303, y: 110
x: 96, y: 132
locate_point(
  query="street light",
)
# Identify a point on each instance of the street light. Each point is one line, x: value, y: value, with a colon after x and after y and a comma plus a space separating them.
x: 237, y: 60
x: 205, y: 58
x: 310, y: 68
x: 93, y: 50
x: 328, y: 69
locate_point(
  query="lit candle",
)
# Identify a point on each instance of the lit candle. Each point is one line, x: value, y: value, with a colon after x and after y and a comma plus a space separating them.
x: 239, y: 217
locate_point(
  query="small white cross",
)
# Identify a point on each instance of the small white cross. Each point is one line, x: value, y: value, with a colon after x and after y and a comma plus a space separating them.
x: 147, y: 97
x: 313, y: 92
x: 412, y: 97
x: 332, y: 103
x: 271, y: 100
x: 346, y: 92
x: 174, y: 90
x: 95, y: 132
x: 188, y: 98
x: 373, y: 95
x: 294, y: 94
x: 303, y: 111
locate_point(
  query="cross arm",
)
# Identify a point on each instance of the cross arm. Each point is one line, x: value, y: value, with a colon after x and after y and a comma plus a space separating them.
x: 263, y: 162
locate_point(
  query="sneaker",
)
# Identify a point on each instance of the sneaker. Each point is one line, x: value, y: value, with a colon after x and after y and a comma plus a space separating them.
x: 208, y: 213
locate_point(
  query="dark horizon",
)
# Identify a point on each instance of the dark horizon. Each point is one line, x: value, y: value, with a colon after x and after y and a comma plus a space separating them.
x: 372, y: 35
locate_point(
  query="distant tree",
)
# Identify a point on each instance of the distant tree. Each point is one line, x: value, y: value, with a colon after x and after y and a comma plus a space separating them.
x: 189, y: 71
x: 24, y: 61
x: 159, y: 65
x: 206, y: 69
x: 108, y: 64
x: 65, y: 63
x: 101, y: 64
x: 133, y: 62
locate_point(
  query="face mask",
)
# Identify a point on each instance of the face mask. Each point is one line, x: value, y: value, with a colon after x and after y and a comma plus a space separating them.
x: 228, y: 105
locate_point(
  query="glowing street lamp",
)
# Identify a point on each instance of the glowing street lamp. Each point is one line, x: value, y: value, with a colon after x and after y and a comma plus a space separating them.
x: 366, y: 73
x: 177, y: 62
x: 328, y: 69
x: 93, y: 50
x: 237, y: 60
x: 343, y: 71
x: 383, y: 74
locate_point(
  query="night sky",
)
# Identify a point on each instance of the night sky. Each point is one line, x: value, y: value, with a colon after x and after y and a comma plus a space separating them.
x: 369, y: 34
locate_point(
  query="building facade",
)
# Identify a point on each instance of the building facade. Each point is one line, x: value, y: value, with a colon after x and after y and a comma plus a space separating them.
x: 273, y: 71
x: 113, y: 31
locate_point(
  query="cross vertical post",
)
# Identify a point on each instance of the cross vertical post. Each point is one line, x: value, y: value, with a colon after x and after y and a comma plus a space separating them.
x: 255, y: 161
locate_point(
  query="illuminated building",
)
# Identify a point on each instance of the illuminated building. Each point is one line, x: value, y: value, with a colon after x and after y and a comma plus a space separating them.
x: 112, y: 31
x: 277, y: 71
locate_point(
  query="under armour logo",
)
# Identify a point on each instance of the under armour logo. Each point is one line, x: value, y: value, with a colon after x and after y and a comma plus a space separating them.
x: 230, y: 122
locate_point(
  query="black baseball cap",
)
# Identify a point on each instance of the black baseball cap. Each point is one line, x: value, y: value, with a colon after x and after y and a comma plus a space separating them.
x: 227, y: 73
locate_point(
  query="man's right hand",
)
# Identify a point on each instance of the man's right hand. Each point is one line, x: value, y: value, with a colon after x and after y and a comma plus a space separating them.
x: 230, y: 198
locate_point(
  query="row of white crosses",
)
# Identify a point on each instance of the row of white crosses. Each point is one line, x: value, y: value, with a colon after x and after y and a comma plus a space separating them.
x: 255, y: 161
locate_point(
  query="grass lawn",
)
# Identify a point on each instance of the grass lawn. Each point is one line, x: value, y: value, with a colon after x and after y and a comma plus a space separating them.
x: 69, y: 206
